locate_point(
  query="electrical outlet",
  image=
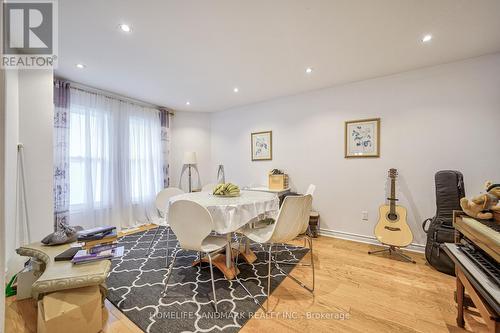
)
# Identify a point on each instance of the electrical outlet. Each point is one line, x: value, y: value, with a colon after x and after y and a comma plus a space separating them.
x: 364, y: 215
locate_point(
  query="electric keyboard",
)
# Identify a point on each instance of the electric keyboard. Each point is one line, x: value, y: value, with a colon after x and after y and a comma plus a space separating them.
x: 476, y: 253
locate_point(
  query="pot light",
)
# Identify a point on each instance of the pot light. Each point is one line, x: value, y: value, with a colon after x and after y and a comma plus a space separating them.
x: 236, y: 89
x: 426, y: 38
x: 188, y: 103
x: 80, y: 66
x: 309, y: 70
x: 125, y: 27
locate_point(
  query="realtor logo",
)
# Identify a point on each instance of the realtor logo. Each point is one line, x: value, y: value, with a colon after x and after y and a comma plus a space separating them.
x: 28, y: 33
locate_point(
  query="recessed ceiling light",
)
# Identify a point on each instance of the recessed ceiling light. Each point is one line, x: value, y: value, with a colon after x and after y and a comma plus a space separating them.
x: 426, y: 38
x: 81, y: 66
x: 309, y: 70
x: 125, y: 28
x: 188, y: 103
x: 236, y: 89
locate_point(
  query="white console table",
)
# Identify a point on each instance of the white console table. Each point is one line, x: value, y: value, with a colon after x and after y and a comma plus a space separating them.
x: 267, y: 189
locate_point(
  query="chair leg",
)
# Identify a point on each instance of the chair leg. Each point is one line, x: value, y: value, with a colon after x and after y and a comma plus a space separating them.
x: 295, y: 263
x: 312, y: 259
x: 171, y: 268
x: 168, y: 242
x: 213, y: 283
x: 300, y: 283
x: 151, y: 243
x: 269, y: 276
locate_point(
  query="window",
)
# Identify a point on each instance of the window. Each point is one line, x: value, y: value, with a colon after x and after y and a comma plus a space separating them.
x: 142, y: 163
x: 89, y: 156
x: 115, y: 160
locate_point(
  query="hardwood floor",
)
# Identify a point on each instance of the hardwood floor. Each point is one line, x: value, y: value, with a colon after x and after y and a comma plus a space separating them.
x: 355, y: 292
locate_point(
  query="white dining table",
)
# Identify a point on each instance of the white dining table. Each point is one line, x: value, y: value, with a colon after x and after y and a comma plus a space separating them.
x: 231, y: 213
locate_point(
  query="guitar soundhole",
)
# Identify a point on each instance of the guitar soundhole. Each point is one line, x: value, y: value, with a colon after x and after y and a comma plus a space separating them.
x: 392, y: 217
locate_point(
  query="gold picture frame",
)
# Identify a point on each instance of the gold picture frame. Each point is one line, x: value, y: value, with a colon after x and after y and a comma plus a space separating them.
x: 362, y: 138
x: 262, y: 146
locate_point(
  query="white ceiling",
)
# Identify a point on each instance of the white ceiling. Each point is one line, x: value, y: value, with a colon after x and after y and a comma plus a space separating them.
x: 198, y: 51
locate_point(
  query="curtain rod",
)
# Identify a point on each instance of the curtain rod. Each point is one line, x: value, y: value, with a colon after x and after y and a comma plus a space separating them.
x: 106, y: 93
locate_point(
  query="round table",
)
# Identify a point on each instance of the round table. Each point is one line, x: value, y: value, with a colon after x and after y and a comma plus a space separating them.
x: 230, y: 214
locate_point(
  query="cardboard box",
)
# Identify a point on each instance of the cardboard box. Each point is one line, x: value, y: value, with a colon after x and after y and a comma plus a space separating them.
x: 278, y: 182
x: 73, y: 310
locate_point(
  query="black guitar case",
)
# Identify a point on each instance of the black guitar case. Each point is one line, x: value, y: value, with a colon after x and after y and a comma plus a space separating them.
x: 449, y: 190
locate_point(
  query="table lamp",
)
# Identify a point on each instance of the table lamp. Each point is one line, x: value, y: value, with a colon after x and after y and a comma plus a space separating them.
x: 189, y: 160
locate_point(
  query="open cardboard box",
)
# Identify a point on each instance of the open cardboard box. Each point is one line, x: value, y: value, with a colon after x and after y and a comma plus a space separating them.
x: 73, y: 310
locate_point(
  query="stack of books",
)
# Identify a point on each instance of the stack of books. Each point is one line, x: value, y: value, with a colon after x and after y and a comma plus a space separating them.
x: 97, y: 244
x: 100, y: 238
x: 84, y: 256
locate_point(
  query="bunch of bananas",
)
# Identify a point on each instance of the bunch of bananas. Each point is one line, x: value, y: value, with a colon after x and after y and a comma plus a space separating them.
x: 227, y: 189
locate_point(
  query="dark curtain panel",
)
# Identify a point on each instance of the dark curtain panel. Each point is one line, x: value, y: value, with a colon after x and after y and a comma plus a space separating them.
x: 61, y: 153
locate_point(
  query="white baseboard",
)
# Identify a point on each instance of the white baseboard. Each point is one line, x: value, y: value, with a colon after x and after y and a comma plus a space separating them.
x: 365, y: 239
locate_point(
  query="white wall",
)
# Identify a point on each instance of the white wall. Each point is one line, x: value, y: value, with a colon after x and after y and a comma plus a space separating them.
x: 29, y: 120
x: 443, y: 117
x: 11, y: 140
x: 36, y: 122
x: 2, y: 195
x: 191, y: 132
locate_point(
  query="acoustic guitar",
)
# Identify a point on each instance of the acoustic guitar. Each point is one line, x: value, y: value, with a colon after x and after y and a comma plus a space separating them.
x: 392, y: 228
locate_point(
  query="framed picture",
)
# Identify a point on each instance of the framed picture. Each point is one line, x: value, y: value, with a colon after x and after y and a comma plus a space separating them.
x: 262, y: 146
x: 362, y: 138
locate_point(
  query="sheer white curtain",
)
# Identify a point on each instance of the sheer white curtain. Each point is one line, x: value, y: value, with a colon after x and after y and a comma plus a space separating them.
x: 115, y: 161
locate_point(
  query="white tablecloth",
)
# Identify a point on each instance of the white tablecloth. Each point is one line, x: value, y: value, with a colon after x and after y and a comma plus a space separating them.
x: 230, y: 214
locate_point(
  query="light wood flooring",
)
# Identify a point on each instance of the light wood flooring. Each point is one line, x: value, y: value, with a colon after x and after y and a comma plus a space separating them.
x: 355, y: 292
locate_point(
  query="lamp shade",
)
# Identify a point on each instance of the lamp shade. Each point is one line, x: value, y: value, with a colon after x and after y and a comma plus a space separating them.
x: 189, y: 158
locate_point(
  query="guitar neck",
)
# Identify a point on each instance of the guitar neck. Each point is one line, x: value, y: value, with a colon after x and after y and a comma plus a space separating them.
x: 392, y: 199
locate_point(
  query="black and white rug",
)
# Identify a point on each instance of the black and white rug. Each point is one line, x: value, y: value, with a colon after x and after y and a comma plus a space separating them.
x: 136, y: 282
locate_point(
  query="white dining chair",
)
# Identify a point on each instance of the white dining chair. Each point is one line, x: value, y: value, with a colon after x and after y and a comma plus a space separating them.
x: 208, y: 187
x: 161, y: 203
x: 181, y: 216
x: 291, y: 222
x: 310, y: 189
x: 305, y: 234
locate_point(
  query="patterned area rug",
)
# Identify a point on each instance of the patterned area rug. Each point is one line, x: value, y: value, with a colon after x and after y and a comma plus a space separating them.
x: 136, y: 282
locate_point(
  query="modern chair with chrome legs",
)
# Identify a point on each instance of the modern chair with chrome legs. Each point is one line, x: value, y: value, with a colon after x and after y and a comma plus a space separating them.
x: 181, y: 215
x: 161, y: 203
x: 291, y: 222
x: 305, y: 234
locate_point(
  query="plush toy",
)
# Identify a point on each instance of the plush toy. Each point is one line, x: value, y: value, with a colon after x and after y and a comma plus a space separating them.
x: 483, y: 206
